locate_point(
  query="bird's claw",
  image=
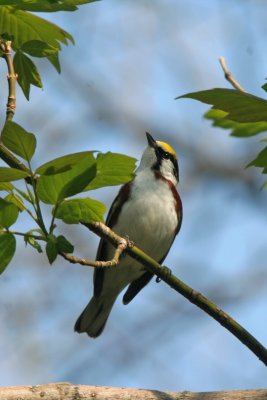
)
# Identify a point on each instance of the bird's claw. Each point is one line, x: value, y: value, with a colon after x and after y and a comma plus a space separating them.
x: 166, y: 271
x: 130, y: 243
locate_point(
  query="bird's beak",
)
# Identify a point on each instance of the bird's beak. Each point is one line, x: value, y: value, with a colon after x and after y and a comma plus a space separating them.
x: 151, y: 142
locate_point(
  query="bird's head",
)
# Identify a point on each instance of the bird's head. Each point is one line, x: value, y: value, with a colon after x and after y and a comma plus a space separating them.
x: 161, y: 158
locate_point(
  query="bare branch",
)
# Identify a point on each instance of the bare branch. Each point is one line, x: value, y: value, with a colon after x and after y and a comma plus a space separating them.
x: 6, y: 47
x: 229, y: 77
x: 67, y: 391
x: 122, y: 246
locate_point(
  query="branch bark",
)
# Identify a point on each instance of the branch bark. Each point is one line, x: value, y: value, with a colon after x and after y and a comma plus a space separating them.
x: 6, y: 47
x: 229, y: 77
x: 67, y: 391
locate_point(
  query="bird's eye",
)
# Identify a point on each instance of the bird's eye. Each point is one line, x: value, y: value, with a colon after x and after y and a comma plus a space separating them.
x: 166, y: 155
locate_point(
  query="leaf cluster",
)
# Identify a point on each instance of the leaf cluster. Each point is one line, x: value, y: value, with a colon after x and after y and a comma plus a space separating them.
x: 243, y: 113
x: 54, y: 183
x: 34, y: 37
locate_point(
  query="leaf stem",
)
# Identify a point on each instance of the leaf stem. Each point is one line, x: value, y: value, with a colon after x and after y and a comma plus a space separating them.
x: 51, y: 228
x: 37, y: 206
x: 36, y: 237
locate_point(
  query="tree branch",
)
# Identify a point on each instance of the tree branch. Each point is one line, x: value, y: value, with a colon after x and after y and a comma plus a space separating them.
x: 197, y: 298
x: 67, y: 391
x: 121, y: 247
x: 6, y: 47
x: 229, y: 77
x: 193, y: 296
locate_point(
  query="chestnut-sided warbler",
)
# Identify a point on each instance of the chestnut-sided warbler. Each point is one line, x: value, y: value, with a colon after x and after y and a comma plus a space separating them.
x: 147, y: 210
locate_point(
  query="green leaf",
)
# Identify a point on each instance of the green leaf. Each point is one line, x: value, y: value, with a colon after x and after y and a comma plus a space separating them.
x: 239, y: 129
x: 27, y: 73
x: 264, y: 87
x: 264, y: 186
x: 24, y: 195
x: 6, y: 187
x: 33, y: 243
x: 56, y: 245
x: 54, y: 60
x: 260, y: 160
x: 16, y: 139
x: 25, y: 26
x: 38, y: 48
x: 51, y: 248
x: 11, y: 174
x: 239, y: 106
x: 8, y: 213
x: 52, y: 189
x: 16, y: 200
x: 112, y: 169
x: 45, y: 5
x: 7, y: 249
x: 64, y: 163
x: 63, y: 245
x: 81, y: 210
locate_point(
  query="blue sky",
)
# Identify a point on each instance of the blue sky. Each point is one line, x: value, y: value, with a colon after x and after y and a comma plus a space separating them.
x: 130, y: 60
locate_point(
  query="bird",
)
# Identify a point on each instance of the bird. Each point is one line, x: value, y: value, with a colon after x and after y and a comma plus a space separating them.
x: 147, y: 210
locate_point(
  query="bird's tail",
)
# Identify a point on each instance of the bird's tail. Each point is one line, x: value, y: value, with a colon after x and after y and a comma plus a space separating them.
x: 94, y: 317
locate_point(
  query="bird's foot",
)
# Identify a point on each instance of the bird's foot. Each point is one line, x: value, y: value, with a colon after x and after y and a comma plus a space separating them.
x: 166, y: 271
x: 130, y: 243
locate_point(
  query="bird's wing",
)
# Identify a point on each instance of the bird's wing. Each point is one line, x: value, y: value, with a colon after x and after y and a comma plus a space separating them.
x: 135, y: 287
x: 111, y: 221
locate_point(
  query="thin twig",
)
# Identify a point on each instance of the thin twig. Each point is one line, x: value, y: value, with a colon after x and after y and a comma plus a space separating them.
x: 6, y: 47
x: 28, y: 235
x: 229, y: 77
x: 121, y: 247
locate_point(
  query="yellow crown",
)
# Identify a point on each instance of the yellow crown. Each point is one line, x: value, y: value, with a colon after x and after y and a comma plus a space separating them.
x: 167, y: 147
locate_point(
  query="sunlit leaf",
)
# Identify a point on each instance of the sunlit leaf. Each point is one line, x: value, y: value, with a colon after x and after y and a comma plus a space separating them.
x: 64, y: 163
x: 26, y: 26
x: 7, y: 249
x: 16, y: 139
x: 38, y: 48
x: 17, y: 200
x: 239, y: 129
x: 24, y: 195
x: 239, y: 106
x: 112, y: 169
x: 52, y: 189
x: 81, y: 210
x: 11, y: 174
x: 32, y: 241
x: 6, y: 186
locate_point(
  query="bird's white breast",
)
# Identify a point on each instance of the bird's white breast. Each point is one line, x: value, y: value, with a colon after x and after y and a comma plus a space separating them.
x: 149, y: 219
x: 149, y: 216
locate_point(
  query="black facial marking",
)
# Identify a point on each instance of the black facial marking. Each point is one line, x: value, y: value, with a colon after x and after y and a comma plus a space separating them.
x: 165, y: 155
